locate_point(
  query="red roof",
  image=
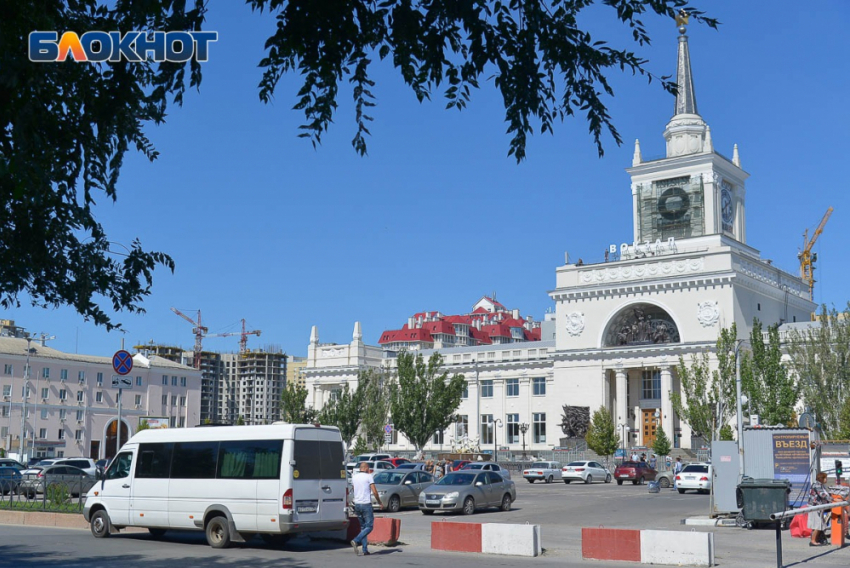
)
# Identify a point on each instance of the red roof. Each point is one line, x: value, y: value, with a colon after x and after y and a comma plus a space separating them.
x: 406, y: 335
x: 439, y: 327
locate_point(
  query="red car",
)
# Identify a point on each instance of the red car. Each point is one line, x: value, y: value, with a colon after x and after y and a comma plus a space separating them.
x: 459, y: 464
x: 636, y: 472
x: 398, y: 461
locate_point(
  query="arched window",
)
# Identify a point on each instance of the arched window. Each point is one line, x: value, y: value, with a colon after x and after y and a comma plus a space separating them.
x: 640, y: 324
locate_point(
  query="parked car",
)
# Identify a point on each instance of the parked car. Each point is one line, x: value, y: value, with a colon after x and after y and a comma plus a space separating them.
x: 10, y: 479
x: 397, y: 461
x: 9, y: 462
x: 400, y: 488
x: 466, y: 491
x: 488, y: 466
x: 695, y: 476
x: 411, y: 465
x: 103, y: 464
x: 586, y: 471
x: 88, y: 465
x: 458, y: 465
x: 542, y: 471
x: 664, y: 478
x: 374, y: 466
x: 75, y: 480
x: 634, y: 471
x: 350, y: 466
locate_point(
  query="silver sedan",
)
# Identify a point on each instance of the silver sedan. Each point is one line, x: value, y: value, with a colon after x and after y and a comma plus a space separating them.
x: 400, y: 487
x: 466, y: 491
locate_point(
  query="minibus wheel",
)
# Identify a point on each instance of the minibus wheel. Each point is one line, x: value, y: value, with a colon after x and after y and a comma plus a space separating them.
x: 100, y: 524
x: 218, y: 534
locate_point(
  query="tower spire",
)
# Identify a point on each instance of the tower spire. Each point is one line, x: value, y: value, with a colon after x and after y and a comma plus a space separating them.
x: 686, y: 132
x: 686, y: 99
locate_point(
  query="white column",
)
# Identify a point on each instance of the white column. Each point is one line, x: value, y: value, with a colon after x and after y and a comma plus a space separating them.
x: 667, y: 421
x: 622, y: 403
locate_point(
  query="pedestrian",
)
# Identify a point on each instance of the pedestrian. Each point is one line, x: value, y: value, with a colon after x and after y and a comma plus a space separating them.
x: 429, y: 466
x: 653, y: 461
x: 677, y: 467
x: 438, y: 470
x: 818, y: 495
x: 668, y: 461
x: 634, y: 456
x: 448, y: 467
x: 643, y: 458
x: 364, y: 489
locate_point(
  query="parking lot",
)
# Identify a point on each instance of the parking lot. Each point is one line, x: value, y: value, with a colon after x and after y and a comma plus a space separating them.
x: 563, y: 509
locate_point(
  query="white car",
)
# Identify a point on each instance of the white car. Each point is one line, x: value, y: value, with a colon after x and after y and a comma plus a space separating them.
x: 488, y: 466
x: 542, y: 471
x: 85, y: 464
x: 695, y: 476
x: 586, y: 471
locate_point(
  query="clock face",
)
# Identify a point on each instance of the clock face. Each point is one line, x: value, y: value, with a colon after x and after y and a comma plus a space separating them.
x: 674, y: 204
x: 726, y: 208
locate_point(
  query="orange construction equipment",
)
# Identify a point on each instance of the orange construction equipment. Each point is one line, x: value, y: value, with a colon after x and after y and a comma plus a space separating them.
x: 838, y: 523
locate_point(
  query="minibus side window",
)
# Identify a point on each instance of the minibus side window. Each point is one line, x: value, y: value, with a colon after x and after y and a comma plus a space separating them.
x: 194, y: 460
x: 250, y: 459
x: 154, y: 461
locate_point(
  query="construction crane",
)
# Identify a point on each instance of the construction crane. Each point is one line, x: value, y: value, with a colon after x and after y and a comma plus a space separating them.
x: 243, y: 339
x: 200, y: 332
x: 808, y: 258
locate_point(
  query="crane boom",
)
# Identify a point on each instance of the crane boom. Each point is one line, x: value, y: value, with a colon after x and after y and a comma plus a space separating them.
x: 807, y: 259
x: 200, y: 331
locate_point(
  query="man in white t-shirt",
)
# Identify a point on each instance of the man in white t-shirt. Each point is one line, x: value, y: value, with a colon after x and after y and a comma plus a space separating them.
x: 364, y: 487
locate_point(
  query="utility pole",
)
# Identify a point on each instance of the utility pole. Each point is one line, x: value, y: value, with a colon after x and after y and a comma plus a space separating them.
x: 23, y: 439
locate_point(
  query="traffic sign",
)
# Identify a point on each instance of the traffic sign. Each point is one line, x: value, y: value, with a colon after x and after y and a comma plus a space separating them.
x: 122, y: 362
x: 119, y: 382
x: 388, y: 429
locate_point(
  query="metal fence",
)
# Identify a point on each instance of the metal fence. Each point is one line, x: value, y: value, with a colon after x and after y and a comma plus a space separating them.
x: 65, y: 496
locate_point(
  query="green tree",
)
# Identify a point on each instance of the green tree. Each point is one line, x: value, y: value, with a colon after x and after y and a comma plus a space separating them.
x: 819, y: 357
x: 543, y: 64
x: 726, y: 433
x: 344, y: 412
x: 662, y: 446
x: 425, y: 398
x: 843, y: 431
x: 377, y: 388
x: 771, y: 389
x: 724, y: 377
x: 240, y: 421
x: 602, y: 436
x: 54, y: 251
x: 698, y: 408
x: 143, y: 425
x: 293, y: 405
x: 360, y: 447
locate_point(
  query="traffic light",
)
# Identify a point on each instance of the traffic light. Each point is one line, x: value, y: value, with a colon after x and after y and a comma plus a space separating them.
x: 839, y: 470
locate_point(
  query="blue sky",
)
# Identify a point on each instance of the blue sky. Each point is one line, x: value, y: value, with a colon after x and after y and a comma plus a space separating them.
x: 264, y: 227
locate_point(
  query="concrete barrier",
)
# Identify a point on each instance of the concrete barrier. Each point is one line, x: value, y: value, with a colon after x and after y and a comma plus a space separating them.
x: 648, y: 546
x: 610, y: 544
x: 674, y: 547
x: 385, y: 531
x: 456, y: 537
x: 489, y: 538
x: 513, y: 540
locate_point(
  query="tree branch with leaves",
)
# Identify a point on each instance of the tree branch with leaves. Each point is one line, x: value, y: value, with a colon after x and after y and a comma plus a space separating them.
x: 425, y: 398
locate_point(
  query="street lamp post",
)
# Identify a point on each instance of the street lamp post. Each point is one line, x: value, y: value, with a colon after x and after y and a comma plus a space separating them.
x: 523, y: 428
x: 738, y: 403
x: 624, y: 430
x: 497, y: 421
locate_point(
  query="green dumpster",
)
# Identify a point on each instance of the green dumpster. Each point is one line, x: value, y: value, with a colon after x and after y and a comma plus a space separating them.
x: 759, y: 498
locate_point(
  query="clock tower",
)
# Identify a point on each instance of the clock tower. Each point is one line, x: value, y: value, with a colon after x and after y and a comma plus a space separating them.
x: 693, y: 191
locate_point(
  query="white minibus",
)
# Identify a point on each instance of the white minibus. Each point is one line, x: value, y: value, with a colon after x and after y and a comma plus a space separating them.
x: 231, y: 482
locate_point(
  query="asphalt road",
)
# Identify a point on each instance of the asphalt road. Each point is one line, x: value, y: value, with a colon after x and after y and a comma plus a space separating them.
x: 560, y: 509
